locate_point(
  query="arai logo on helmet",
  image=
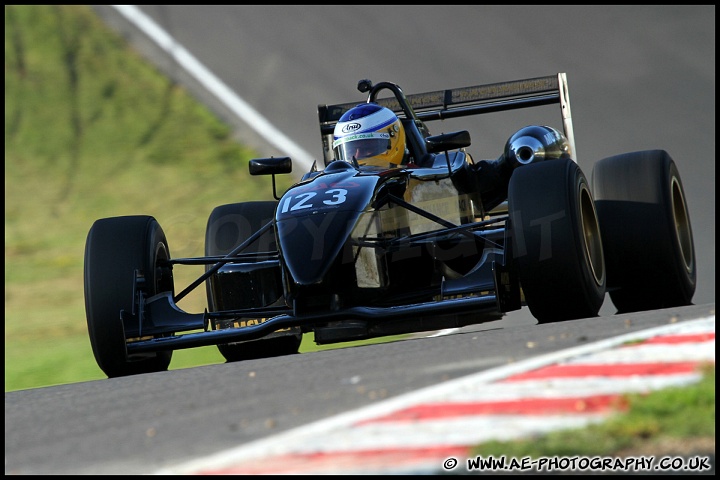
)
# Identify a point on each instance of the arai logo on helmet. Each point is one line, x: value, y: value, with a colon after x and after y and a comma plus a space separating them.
x: 351, y: 127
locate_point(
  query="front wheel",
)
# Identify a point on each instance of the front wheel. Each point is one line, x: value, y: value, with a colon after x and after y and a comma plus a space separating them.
x: 646, y: 231
x: 114, y: 250
x: 556, y: 244
x: 228, y: 226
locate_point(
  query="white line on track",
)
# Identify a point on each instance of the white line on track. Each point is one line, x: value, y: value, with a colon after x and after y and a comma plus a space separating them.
x: 215, y: 86
x: 446, y: 331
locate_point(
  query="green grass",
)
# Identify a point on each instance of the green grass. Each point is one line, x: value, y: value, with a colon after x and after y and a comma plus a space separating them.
x: 674, y: 416
x: 92, y: 130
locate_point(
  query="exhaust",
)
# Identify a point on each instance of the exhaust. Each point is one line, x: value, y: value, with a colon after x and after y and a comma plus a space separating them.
x: 535, y: 144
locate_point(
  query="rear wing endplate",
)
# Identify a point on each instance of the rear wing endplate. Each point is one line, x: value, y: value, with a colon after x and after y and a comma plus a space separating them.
x: 460, y: 102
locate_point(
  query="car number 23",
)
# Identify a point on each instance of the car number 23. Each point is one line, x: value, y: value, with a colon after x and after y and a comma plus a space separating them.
x: 334, y: 196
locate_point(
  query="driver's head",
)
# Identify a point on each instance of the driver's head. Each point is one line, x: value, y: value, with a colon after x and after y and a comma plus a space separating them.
x: 369, y: 134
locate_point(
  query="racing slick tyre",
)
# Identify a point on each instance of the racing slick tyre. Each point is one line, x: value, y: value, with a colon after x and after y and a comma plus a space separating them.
x: 556, y: 243
x: 646, y: 231
x: 115, y: 248
x: 229, y: 226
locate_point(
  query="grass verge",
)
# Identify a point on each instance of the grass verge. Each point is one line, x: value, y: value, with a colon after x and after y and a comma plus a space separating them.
x: 677, y: 421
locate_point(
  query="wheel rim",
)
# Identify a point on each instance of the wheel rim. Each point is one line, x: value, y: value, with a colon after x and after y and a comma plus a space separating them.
x: 591, y: 236
x: 682, y: 223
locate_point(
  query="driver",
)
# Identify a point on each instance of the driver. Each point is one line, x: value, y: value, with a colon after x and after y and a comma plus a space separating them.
x: 369, y: 134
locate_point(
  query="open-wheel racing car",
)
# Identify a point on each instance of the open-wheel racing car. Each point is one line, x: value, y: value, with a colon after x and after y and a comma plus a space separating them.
x: 401, y: 231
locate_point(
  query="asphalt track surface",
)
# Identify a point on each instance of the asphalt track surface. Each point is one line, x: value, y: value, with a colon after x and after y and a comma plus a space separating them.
x: 640, y: 78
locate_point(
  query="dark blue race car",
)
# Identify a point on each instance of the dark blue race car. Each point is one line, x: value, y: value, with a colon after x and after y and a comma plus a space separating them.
x: 401, y: 231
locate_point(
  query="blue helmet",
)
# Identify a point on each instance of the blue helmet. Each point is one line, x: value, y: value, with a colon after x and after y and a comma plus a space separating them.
x: 369, y: 134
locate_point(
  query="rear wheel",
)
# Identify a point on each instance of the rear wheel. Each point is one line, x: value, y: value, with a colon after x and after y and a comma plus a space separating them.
x: 556, y: 242
x: 114, y: 250
x: 229, y: 226
x: 646, y: 231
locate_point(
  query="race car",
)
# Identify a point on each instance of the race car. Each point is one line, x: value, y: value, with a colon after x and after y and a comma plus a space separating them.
x: 398, y: 231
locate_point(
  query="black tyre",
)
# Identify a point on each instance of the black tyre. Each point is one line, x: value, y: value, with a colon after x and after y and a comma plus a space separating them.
x: 229, y: 226
x: 556, y: 243
x: 114, y: 249
x: 646, y: 231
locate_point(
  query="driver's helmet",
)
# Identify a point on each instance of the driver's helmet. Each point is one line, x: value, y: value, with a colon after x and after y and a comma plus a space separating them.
x: 369, y: 134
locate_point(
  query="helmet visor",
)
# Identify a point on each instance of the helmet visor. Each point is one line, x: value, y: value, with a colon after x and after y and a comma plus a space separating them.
x: 360, y: 146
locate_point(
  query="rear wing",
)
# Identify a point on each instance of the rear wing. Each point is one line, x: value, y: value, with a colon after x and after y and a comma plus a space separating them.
x: 460, y: 102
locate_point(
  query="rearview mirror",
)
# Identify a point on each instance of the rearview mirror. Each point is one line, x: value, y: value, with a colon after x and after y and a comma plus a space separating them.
x: 270, y: 166
x: 447, y: 141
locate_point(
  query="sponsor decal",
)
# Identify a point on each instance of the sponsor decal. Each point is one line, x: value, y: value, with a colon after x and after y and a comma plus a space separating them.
x: 249, y: 322
x: 360, y: 136
x: 351, y: 127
